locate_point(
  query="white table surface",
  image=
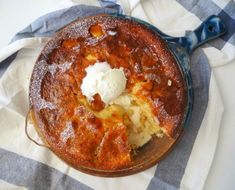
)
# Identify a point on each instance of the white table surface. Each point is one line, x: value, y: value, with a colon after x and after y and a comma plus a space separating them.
x: 222, y: 173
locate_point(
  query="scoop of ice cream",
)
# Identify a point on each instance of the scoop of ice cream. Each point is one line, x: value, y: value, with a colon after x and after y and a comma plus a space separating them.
x: 103, y: 80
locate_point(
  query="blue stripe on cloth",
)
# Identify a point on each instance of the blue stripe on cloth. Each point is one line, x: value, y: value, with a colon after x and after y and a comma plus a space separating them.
x: 203, y: 9
x: 5, y: 63
x: 230, y: 9
x: 171, y: 169
x: 160, y: 185
x: 22, y: 171
x: 230, y: 23
x: 112, y: 4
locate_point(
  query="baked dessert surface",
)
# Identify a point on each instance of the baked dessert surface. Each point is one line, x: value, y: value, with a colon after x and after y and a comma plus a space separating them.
x: 93, y: 134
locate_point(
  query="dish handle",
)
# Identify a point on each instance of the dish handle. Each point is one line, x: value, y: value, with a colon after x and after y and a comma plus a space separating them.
x: 27, y: 118
x: 211, y: 28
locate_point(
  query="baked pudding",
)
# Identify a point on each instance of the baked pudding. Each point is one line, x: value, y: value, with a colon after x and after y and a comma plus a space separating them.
x: 102, y: 88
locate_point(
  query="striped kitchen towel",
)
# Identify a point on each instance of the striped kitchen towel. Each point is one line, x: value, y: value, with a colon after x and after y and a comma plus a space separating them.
x: 23, y: 165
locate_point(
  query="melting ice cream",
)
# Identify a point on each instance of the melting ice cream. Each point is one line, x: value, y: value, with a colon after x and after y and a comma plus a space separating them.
x: 103, y: 80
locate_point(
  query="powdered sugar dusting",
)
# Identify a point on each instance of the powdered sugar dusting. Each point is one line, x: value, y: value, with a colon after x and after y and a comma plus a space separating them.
x: 94, y: 41
x: 36, y: 84
x: 53, y: 68
x: 42, y: 104
x: 111, y: 33
x: 68, y: 132
x: 76, y: 48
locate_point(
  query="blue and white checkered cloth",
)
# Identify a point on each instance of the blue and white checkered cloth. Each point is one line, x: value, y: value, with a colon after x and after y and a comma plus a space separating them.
x: 186, y: 167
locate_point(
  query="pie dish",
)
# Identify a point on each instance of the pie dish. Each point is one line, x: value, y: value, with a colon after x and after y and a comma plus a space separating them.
x: 134, y: 131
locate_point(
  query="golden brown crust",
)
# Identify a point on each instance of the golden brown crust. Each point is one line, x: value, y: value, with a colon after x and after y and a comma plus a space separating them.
x: 66, y: 123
